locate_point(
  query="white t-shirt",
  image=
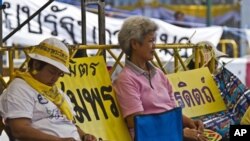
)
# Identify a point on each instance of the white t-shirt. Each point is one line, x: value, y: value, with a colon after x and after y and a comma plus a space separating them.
x: 21, y: 100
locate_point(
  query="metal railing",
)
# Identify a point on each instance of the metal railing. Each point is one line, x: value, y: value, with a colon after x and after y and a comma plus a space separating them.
x: 226, y: 43
x: 178, y: 60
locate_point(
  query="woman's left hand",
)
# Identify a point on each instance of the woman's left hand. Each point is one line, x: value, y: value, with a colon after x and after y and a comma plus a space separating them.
x: 193, y: 135
x: 199, y: 125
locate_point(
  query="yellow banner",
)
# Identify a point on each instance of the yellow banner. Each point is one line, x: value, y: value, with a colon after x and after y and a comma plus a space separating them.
x: 90, y: 90
x: 196, y: 92
x: 199, y: 11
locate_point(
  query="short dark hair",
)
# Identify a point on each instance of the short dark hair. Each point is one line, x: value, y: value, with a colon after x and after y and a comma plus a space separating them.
x: 177, y: 14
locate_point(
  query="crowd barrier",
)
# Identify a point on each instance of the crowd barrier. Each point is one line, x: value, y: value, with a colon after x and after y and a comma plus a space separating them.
x: 229, y: 44
x: 174, y: 50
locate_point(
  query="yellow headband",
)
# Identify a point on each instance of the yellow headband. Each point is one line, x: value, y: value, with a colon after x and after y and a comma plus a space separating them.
x: 51, y: 52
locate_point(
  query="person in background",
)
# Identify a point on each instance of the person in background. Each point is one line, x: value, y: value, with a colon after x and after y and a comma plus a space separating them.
x: 142, y: 88
x: 210, y: 53
x: 179, y: 18
x: 32, y: 106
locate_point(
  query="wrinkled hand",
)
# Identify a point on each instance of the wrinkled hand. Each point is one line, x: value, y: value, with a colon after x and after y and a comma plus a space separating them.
x: 193, y: 135
x: 199, y: 125
x: 89, y: 137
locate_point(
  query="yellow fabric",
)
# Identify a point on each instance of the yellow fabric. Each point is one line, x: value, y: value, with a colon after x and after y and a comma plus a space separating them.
x: 246, y: 118
x: 199, y: 11
x: 51, y: 52
x: 49, y: 92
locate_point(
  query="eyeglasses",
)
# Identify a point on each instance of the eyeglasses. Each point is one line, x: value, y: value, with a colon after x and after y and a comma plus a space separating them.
x: 56, y: 72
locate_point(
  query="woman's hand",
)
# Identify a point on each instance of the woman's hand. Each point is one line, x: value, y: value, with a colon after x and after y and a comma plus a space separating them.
x: 199, y: 125
x: 88, y: 137
x: 193, y: 135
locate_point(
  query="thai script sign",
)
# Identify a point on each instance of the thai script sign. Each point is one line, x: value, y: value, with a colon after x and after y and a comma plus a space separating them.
x: 90, y: 90
x: 196, y: 92
x: 58, y: 21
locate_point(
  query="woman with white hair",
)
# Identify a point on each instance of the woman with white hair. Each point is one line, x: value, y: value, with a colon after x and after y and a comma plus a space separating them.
x: 142, y: 88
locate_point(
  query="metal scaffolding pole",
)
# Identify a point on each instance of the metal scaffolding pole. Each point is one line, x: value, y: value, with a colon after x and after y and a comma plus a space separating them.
x: 209, y: 16
x: 1, y: 37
